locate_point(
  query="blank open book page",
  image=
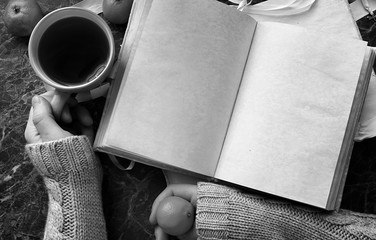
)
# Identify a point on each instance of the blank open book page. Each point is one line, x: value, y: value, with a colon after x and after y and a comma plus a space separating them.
x: 180, y: 87
x: 291, y: 113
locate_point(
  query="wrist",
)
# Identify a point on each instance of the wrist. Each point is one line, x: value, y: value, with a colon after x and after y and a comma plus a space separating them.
x: 213, y: 209
x: 67, y: 155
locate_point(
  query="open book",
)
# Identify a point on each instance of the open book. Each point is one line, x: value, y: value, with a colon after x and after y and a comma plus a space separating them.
x: 205, y: 89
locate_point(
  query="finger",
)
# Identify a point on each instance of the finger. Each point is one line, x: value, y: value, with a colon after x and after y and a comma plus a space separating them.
x: 83, y: 116
x: 57, y: 102
x: 31, y: 133
x: 66, y: 116
x: 48, y: 95
x: 159, y: 234
x: 190, y: 235
x: 185, y: 191
x: 88, y: 132
x: 44, y: 121
x: 84, y: 122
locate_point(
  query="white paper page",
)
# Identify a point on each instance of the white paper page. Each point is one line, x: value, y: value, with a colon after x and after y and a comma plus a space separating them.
x: 334, y: 17
x: 179, y: 92
x: 291, y: 113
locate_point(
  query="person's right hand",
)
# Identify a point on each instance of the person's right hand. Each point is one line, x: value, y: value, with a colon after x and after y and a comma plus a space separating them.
x: 55, y: 116
x: 185, y: 191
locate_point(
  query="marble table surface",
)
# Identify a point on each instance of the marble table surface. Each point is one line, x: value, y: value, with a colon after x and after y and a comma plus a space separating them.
x: 127, y: 195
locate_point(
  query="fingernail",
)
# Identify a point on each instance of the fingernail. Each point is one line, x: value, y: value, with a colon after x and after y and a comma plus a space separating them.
x: 35, y: 100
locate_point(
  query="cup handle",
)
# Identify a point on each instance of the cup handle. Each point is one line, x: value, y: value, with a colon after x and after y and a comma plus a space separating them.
x: 58, y: 102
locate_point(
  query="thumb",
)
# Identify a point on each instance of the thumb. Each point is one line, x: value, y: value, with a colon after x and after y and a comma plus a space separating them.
x: 44, y: 120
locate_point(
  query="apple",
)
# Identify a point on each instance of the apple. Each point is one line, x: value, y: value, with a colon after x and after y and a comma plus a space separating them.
x: 117, y: 11
x: 21, y: 16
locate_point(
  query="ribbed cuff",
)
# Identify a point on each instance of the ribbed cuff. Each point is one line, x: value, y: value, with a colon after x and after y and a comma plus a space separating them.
x: 226, y: 213
x: 71, y: 154
x: 212, y: 214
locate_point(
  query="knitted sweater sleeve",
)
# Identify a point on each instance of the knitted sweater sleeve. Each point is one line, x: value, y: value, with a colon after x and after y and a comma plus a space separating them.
x: 72, y: 175
x: 226, y: 213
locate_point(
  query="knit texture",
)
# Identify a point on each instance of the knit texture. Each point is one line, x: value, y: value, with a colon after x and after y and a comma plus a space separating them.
x: 225, y: 213
x: 73, y: 176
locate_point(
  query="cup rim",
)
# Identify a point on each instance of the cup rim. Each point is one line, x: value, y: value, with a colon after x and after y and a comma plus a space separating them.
x: 59, y: 14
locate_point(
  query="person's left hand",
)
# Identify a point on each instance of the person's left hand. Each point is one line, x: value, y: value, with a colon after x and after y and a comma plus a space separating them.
x: 185, y: 191
x: 55, y: 116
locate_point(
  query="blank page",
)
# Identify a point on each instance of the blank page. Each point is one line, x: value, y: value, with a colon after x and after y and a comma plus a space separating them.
x: 179, y: 90
x: 291, y: 112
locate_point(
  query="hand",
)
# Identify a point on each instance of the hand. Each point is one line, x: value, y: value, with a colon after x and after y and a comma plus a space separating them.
x: 185, y: 191
x: 55, y: 116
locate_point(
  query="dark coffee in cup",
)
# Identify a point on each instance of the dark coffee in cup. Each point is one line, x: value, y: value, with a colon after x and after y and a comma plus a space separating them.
x: 73, y: 51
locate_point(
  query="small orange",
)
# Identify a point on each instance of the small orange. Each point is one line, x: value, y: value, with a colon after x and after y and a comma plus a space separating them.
x: 175, y: 215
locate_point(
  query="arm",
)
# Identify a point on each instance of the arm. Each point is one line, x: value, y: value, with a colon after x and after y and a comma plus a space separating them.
x: 72, y: 176
x: 70, y: 170
x: 226, y: 213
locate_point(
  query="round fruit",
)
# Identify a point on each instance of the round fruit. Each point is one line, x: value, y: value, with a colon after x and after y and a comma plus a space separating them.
x: 175, y: 215
x: 117, y: 11
x: 21, y: 16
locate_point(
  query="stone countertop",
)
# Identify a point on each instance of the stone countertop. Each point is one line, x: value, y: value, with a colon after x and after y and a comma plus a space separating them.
x: 127, y: 195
